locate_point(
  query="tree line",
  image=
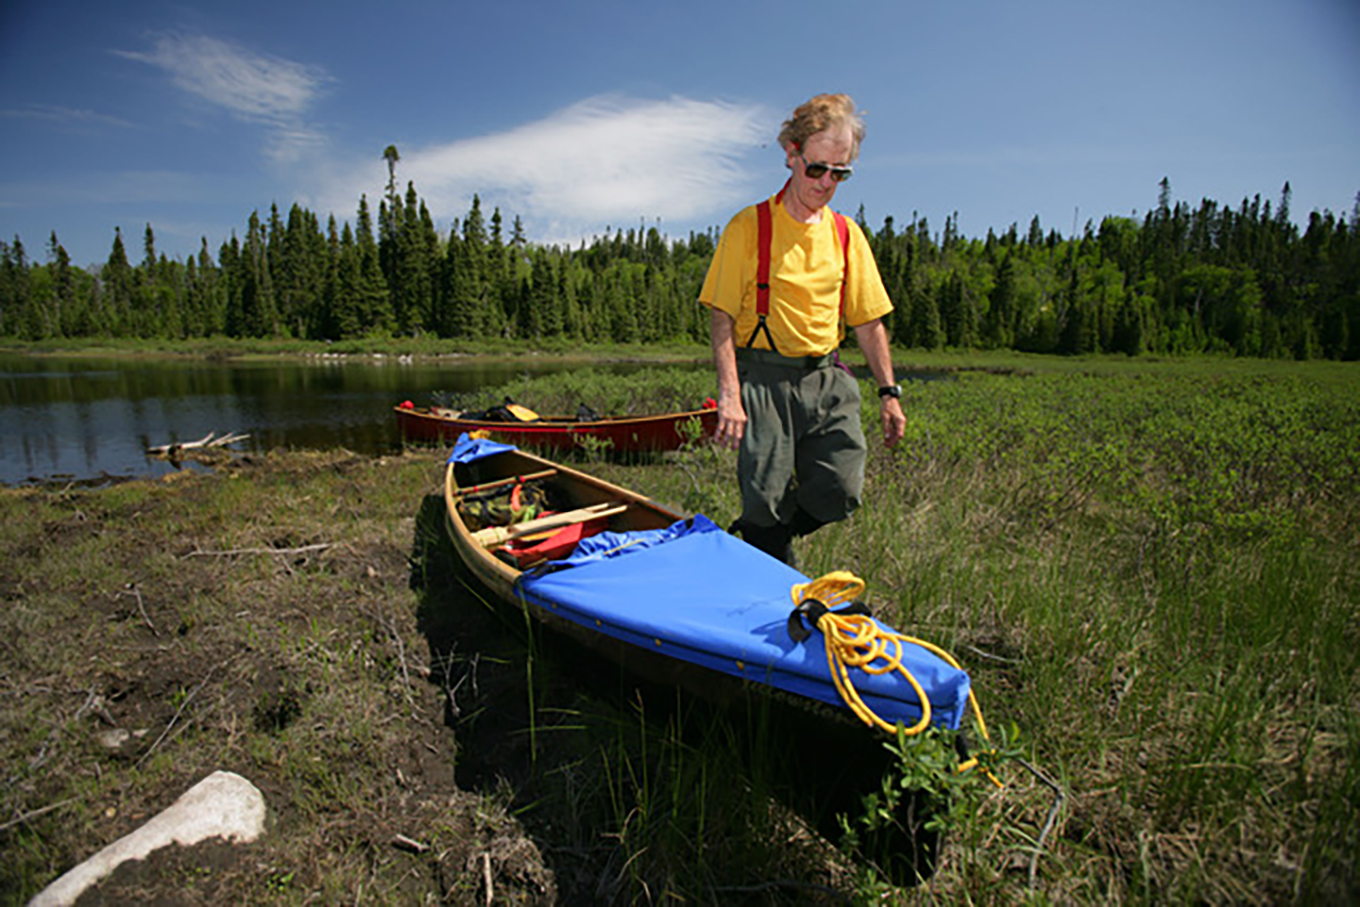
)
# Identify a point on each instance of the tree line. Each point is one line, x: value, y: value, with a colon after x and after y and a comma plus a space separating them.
x: 1242, y: 281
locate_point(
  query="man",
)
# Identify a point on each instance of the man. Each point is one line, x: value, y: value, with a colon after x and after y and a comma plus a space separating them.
x: 783, y: 401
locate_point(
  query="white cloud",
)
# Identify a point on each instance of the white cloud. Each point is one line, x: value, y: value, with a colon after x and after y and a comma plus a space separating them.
x: 256, y: 88
x: 63, y: 115
x: 605, y: 160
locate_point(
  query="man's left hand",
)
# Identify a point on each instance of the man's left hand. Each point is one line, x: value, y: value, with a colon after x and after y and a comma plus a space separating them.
x: 894, y: 421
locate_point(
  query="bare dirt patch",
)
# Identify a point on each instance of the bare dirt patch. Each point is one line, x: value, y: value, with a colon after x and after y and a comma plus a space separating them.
x: 262, y: 620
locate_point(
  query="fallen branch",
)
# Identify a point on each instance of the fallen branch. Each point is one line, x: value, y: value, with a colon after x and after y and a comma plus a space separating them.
x: 234, y: 552
x: 175, y: 717
x: 91, y: 701
x: 390, y: 626
x: 207, y: 441
x: 1048, y: 823
x: 410, y: 845
x: 35, y: 813
x: 141, y: 606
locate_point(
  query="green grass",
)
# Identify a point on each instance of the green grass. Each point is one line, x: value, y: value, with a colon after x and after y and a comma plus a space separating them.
x: 657, y: 389
x: 1168, y: 554
x: 1149, y: 568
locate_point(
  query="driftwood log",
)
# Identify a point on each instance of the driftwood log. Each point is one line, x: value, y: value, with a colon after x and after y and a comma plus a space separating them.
x: 208, y: 441
x: 223, y: 805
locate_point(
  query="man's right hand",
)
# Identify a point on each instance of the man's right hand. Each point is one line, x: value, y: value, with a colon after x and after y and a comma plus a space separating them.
x: 731, y: 421
x: 731, y: 414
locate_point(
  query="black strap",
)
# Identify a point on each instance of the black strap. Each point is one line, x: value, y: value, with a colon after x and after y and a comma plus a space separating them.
x: 761, y: 326
x: 814, y: 610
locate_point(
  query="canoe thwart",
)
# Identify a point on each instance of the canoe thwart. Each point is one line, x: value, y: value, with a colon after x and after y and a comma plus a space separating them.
x: 498, y: 535
x: 501, y: 483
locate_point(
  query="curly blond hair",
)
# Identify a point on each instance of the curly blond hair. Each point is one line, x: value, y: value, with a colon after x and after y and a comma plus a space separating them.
x: 818, y: 114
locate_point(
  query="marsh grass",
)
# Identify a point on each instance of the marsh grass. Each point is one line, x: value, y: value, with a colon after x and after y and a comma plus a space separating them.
x: 658, y: 389
x: 1166, y: 558
x: 1149, y: 569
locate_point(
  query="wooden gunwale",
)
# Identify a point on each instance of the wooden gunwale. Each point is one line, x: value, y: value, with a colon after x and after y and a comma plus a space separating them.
x: 661, y: 431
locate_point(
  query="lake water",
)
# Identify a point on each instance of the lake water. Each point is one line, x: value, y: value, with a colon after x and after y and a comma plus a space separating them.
x: 83, y: 418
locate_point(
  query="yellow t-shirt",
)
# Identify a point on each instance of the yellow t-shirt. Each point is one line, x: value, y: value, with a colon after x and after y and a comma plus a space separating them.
x: 806, y: 269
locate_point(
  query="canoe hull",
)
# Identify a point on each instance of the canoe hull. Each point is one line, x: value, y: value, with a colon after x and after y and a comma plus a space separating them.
x: 664, y: 584
x: 836, y: 759
x: 666, y: 431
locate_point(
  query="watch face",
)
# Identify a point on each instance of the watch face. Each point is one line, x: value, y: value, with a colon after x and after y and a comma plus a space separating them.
x: 892, y: 390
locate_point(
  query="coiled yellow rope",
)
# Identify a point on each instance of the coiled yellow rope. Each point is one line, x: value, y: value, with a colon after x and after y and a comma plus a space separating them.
x: 857, y: 641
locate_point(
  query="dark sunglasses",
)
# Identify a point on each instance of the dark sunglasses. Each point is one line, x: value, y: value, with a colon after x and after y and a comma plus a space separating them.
x: 817, y: 171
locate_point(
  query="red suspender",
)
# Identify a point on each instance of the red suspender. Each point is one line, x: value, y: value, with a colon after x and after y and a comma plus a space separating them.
x: 764, y: 240
x: 843, y: 234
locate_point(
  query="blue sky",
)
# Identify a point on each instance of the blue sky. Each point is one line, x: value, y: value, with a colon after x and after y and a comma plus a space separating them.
x: 577, y: 116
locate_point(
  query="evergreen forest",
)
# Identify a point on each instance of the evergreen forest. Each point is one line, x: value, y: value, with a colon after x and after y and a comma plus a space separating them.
x: 1243, y: 281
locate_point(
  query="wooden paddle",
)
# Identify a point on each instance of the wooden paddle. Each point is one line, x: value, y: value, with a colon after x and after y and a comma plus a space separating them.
x: 475, y: 489
x: 497, y: 535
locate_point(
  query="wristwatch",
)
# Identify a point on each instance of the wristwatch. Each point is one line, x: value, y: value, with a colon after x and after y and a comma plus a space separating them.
x: 891, y: 390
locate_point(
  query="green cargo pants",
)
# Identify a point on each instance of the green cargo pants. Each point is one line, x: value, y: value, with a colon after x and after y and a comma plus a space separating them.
x: 804, y: 442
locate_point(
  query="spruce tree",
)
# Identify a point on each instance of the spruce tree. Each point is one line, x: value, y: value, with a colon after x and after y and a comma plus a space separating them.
x: 64, y: 302
x: 373, y: 301
x: 116, y: 282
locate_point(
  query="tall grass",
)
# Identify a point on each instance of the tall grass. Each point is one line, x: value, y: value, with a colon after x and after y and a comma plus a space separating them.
x: 1151, y: 568
x: 1166, y: 558
x: 660, y: 389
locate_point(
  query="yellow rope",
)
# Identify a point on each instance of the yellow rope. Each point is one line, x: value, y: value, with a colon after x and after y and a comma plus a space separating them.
x: 857, y: 641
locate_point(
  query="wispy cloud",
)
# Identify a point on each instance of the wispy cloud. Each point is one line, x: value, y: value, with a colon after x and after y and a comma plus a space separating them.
x: 62, y: 115
x: 605, y: 160
x: 253, y: 87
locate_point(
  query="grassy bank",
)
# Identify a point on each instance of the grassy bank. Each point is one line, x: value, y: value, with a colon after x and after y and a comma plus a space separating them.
x: 1150, y: 569
x: 424, y: 347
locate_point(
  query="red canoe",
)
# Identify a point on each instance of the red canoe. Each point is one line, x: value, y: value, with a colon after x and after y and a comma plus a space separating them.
x: 628, y: 434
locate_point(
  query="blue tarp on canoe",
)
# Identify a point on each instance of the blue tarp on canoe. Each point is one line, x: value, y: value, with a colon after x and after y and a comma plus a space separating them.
x: 467, y: 449
x: 696, y: 593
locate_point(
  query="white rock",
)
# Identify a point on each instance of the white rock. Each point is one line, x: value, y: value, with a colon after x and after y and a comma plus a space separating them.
x: 113, y: 739
x: 222, y: 805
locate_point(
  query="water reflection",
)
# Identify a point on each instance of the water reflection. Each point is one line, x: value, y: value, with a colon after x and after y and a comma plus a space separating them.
x: 86, y: 418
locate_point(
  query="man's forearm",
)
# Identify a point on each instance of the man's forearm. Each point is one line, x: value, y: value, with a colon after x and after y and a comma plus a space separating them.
x: 721, y: 328
x: 873, y: 341
x: 731, y: 414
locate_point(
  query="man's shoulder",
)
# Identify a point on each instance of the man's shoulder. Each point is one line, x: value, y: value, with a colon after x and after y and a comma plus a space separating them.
x: 851, y: 224
x: 742, y: 224
x: 854, y: 232
x: 748, y: 214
